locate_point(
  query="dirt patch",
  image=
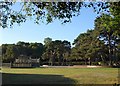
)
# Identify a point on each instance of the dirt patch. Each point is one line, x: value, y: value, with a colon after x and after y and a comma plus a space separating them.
x: 75, y: 66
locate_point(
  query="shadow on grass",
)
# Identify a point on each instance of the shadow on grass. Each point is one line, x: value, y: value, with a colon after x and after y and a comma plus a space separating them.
x: 35, y: 79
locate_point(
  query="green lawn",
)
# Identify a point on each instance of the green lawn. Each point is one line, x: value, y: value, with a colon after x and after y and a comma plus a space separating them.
x: 60, y: 75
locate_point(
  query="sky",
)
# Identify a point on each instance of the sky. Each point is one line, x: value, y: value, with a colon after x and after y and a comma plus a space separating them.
x: 31, y: 32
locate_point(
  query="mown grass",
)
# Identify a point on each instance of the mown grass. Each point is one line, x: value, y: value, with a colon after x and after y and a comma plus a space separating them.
x: 60, y: 75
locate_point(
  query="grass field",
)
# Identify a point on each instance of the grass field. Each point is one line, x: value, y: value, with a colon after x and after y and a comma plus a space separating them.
x: 60, y: 75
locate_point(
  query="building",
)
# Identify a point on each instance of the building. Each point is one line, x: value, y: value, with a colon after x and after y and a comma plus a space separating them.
x: 25, y: 61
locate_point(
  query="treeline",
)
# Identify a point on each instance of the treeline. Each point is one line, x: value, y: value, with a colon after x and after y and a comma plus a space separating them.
x: 100, y: 46
x: 91, y: 48
x: 88, y: 49
x: 50, y: 52
x: 12, y: 51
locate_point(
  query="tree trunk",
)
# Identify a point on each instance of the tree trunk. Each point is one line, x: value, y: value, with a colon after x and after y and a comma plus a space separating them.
x: 85, y: 61
x: 110, y: 54
x: 114, y: 53
x: 66, y: 62
x: 89, y: 61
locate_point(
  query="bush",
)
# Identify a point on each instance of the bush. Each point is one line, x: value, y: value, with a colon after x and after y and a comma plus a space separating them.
x: 78, y: 63
x: 95, y: 63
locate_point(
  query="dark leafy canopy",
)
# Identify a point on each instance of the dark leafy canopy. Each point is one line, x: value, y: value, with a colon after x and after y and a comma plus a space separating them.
x: 45, y: 11
x: 56, y: 50
x: 102, y: 43
x: 87, y: 46
x: 12, y: 51
x: 108, y: 28
x: 51, y: 51
x: 109, y: 31
x: 47, y: 41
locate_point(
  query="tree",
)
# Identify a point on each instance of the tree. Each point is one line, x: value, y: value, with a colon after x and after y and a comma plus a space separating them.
x: 47, y: 41
x: 108, y: 29
x: 23, y: 48
x: 67, y: 50
x: 115, y: 11
x: 10, y: 53
x: 4, y: 48
x: 47, y: 11
x: 87, y: 46
x: 56, y: 50
x: 49, y: 51
x: 36, y: 50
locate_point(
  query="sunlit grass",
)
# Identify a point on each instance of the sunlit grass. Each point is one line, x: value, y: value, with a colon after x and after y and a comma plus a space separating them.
x: 80, y: 75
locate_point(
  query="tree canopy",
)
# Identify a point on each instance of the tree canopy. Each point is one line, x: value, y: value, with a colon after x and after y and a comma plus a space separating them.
x: 45, y: 11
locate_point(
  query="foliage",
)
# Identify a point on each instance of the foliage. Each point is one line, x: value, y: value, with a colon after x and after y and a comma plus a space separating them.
x: 45, y: 11
x: 87, y: 46
x: 109, y: 30
x: 56, y: 50
x: 12, y: 51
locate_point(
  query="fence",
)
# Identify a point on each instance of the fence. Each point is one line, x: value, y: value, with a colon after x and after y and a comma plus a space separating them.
x: 6, y: 64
